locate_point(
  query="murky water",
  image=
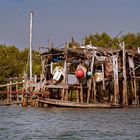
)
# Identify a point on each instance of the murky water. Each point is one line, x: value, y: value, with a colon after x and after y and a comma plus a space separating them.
x: 17, y: 123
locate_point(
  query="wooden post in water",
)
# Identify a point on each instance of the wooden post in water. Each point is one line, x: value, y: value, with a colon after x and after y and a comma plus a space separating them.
x: 23, y: 98
x: 81, y: 92
x: 125, y: 98
x: 89, y: 89
x: 133, y: 82
x: 77, y: 95
x: 62, y: 94
x: 17, y: 92
x: 66, y: 74
x: 116, y: 84
x: 10, y: 92
x: 103, y: 73
x: 8, y: 88
x: 94, y: 88
x: 139, y: 93
x: 91, y: 81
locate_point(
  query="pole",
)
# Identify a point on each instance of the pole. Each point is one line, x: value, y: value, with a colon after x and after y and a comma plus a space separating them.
x: 125, y: 102
x: 31, y: 23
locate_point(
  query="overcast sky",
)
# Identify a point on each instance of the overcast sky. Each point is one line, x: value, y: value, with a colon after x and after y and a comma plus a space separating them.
x: 59, y: 20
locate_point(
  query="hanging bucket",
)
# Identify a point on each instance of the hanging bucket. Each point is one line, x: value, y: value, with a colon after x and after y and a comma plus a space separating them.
x: 57, y: 75
x: 98, y: 76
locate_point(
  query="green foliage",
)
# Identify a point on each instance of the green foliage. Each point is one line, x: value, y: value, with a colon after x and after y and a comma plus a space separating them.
x: 98, y: 39
x: 9, y: 64
x: 132, y: 41
x: 36, y: 63
x: 14, y: 62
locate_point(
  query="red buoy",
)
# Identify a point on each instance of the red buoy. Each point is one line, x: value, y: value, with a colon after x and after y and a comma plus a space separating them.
x: 79, y: 73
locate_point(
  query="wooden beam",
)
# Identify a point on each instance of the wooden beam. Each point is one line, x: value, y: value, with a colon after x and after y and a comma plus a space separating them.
x: 11, y: 84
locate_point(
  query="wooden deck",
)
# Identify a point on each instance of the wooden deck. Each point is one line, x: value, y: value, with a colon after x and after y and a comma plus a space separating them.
x: 59, y: 103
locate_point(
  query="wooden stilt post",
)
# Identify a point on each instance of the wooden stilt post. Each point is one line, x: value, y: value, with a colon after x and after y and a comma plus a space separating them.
x: 116, y: 84
x: 71, y: 95
x: 10, y: 91
x: 133, y: 82
x: 91, y: 80
x: 125, y: 98
x: 8, y: 88
x: 66, y: 73
x: 62, y: 94
x: 77, y: 95
x: 139, y: 94
x: 17, y: 92
x: 64, y: 88
x: 23, y: 98
x: 81, y: 92
x: 94, y: 89
x: 89, y: 89
x: 103, y: 73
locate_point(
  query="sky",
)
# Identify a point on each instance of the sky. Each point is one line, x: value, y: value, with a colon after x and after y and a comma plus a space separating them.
x: 60, y: 20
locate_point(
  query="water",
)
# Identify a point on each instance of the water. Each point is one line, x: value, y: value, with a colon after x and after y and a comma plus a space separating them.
x: 17, y: 123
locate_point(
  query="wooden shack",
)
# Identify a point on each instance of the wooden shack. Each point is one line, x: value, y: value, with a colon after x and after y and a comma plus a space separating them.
x: 89, y: 74
x: 83, y: 76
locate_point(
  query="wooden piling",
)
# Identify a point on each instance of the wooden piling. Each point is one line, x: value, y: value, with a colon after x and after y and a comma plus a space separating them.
x: 8, y: 95
x: 81, y: 92
x: 116, y: 84
x: 91, y: 81
x: 17, y: 91
x: 77, y: 95
x: 103, y: 74
x: 133, y: 80
x: 125, y: 98
x: 89, y: 89
x: 10, y: 90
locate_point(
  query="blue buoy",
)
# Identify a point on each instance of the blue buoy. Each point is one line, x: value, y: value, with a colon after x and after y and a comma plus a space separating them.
x: 89, y: 73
